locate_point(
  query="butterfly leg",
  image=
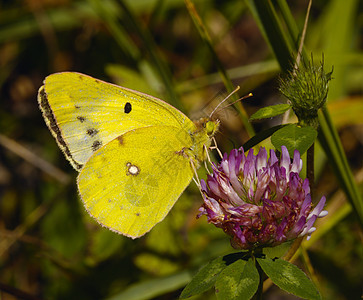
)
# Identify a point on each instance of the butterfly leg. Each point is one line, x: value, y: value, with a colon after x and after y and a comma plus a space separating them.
x: 196, y: 177
x: 215, y: 146
x: 209, y: 160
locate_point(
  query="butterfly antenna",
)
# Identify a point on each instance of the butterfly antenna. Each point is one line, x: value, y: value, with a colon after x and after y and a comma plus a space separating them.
x: 240, y: 99
x: 214, y: 110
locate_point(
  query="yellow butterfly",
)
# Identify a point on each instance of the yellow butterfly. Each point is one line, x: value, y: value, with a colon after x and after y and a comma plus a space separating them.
x: 135, y: 153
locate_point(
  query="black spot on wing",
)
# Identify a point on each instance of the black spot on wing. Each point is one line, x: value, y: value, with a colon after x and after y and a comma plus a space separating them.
x: 96, y: 145
x: 127, y: 108
x: 81, y: 119
x: 92, y: 132
x: 120, y: 139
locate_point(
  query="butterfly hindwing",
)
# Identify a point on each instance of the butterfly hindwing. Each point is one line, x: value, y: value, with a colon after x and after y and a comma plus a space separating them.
x: 131, y: 183
x: 84, y: 113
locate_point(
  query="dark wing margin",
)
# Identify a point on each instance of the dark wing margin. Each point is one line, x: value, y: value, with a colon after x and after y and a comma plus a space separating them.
x: 54, y: 128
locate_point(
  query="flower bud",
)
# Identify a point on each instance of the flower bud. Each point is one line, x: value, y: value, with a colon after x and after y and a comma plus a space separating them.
x: 307, y: 89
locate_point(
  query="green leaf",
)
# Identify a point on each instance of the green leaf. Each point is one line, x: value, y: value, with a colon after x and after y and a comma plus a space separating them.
x: 207, y: 276
x: 238, y: 281
x: 270, y: 111
x: 259, y: 137
x: 149, y: 289
x: 289, y: 278
x: 278, y: 251
x: 294, y: 137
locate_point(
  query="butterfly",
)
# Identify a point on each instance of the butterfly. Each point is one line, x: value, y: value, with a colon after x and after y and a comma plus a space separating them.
x: 135, y: 154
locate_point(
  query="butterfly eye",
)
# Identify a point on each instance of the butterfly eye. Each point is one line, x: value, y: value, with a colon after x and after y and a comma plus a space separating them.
x: 210, y: 127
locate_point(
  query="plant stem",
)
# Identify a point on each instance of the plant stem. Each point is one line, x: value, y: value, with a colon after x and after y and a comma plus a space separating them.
x: 258, y: 295
x: 310, y: 169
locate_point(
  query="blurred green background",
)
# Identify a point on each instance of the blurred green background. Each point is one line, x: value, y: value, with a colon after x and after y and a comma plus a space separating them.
x: 50, y: 248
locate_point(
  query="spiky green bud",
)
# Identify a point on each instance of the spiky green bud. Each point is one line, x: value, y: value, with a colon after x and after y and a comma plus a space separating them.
x: 307, y: 88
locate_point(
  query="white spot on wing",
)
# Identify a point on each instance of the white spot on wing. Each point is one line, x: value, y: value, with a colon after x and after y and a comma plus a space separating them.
x: 132, y: 169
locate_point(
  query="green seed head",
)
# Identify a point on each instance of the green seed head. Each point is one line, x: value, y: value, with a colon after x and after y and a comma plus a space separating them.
x: 307, y: 89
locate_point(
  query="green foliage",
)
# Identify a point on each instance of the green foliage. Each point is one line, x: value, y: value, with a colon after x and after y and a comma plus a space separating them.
x: 270, y: 111
x: 51, y: 249
x: 285, y: 44
x: 261, y: 136
x: 294, y: 137
x: 236, y: 277
x: 238, y: 281
x: 208, y: 275
x: 289, y: 278
x: 154, y: 287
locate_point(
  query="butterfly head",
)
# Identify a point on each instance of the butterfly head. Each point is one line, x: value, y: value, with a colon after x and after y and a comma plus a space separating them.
x: 207, y: 126
x: 211, y: 127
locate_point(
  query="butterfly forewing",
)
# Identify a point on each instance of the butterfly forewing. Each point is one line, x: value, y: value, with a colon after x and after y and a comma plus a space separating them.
x: 84, y: 113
